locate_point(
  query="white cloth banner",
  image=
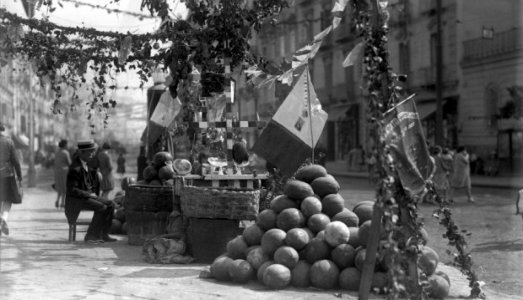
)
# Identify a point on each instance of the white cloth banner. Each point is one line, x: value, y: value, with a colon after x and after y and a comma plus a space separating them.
x: 295, y: 115
x: 166, y: 110
x: 354, y: 55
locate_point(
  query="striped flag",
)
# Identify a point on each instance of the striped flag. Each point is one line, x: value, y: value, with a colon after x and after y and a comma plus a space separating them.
x: 288, y: 139
x: 406, y: 142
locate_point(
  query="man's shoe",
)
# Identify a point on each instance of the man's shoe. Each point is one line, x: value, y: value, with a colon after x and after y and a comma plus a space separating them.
x: 3, y: 227
x: 93, y: 240
x: 107, y: 238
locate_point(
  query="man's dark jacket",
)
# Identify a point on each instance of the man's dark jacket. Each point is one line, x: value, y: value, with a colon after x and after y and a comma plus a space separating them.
x: 78, y: 190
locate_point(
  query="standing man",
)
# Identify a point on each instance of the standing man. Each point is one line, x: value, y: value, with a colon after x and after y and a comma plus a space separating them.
x: 9, y: 167
x: 83, y: 189
x: 106, y: 168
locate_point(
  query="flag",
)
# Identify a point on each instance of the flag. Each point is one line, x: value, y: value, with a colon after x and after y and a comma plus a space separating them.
x: 406, y: 143
x: 354, y: 55
x: 288, y: 139
x: 166, y: 109
x: 301, y: 56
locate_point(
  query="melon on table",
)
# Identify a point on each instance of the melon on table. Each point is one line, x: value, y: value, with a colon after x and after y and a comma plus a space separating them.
x: 290, y: 218
x: 297, y: 189
x: 325, y: 185
x: 317, y: 249
x: 266, y: 219
x: 364, y: 232
x: 348, y: 217
x: 240, y: 271
x: 182, y: 166
x: 272, y: 240
x: 261, y: 269
x: 364, y: 211
x: 310, y: 172
x: 256, y: 257
x: 301, y: 274
x: 276, y: 276
x: 220, y: 268
x: 428, y: 260
x: 332, y: 204
x: 343, y: 256
x: 324, y: 274
x: 236, y: 247
x: 317, y: 222
x: 311, y: 205
x: 336, y: 233
x: 281, y: 202
x: 297, y: 238
x: 350, y: 279
x: 253, y: 234
x: 439, y: 287
x: 286, y: 256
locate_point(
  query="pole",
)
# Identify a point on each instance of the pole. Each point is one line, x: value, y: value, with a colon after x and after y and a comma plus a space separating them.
x: 439, y: 76
x: 31, y: 171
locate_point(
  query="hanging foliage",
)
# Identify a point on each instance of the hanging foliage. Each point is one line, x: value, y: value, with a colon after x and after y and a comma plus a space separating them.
x: 214, y: 34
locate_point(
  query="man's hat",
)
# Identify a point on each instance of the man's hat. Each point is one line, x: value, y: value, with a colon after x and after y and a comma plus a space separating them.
x: 86, y: 145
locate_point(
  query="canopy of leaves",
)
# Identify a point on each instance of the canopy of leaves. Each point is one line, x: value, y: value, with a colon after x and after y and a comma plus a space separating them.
x: 215, y: 33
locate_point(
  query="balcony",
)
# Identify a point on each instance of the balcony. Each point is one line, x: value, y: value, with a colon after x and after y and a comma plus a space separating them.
x: 506, y: 42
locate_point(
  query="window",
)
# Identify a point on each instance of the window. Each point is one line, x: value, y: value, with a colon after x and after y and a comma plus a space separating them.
x: 327, y: 63
x: 309, y: 16
x: 433, y: 49
x: 492, y: 93
x: 404, y: 57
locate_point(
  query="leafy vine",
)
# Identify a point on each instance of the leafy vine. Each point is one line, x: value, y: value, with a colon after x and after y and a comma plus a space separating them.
x: 213, y: 36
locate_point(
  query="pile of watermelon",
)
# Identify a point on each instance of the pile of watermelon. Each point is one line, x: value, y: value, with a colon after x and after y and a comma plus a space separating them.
x: 162, y: 169
x: 307, y: 238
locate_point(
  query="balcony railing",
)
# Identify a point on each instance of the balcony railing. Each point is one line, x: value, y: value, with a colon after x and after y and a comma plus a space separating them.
x: 502, y: 43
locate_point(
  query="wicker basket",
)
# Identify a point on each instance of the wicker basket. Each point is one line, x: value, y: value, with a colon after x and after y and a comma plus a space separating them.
x: 220, y: 202
x: 152, y: 198
x: 145, y: 225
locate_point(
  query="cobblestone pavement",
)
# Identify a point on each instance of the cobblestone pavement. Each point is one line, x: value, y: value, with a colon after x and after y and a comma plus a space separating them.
x: 37, y: 261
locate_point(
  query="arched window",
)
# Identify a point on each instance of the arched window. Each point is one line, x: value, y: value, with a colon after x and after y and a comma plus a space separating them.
x: 491, y: 100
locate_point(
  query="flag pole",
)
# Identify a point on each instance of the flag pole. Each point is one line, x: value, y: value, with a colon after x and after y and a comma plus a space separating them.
x: 310, y: 109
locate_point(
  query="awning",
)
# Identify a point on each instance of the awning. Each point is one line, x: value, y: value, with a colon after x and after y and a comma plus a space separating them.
x: 20, y: 140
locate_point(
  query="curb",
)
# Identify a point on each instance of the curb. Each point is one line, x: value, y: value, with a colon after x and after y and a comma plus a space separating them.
x: 476, y: 182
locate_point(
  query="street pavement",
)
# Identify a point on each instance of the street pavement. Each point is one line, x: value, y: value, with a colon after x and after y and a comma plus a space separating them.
x: 37, y: 261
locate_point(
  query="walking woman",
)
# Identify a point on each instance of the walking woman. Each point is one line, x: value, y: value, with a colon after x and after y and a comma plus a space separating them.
x: 120, y: 165
x: 461, y: 174
x: 62, y: 161
x: 106, y: 168
x: 9, y: 167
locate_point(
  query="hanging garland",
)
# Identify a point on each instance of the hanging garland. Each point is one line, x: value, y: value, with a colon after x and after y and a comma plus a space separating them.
x: 400, y: 220
x: 214, y: 35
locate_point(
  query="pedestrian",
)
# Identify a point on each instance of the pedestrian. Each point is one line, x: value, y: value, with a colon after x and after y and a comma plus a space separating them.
x: 83, y: 190
x: 371, y: 162
x: 356, y: 159
x: 461, y: 174
x: 62, y: 161
x: 447, y: 160
x: 106, y: 169
x: 440, y: 176
x: 141, y: 163
x: 120, y: 165
x: 9, y: 168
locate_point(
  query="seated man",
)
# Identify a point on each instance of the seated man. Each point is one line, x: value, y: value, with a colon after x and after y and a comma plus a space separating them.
x: 83, y: 189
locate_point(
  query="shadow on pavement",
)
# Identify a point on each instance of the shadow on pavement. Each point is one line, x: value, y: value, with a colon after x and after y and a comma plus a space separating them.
x: 506, y: 246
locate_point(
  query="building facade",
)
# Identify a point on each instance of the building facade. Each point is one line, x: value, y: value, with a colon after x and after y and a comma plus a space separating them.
x: 482, y: 70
